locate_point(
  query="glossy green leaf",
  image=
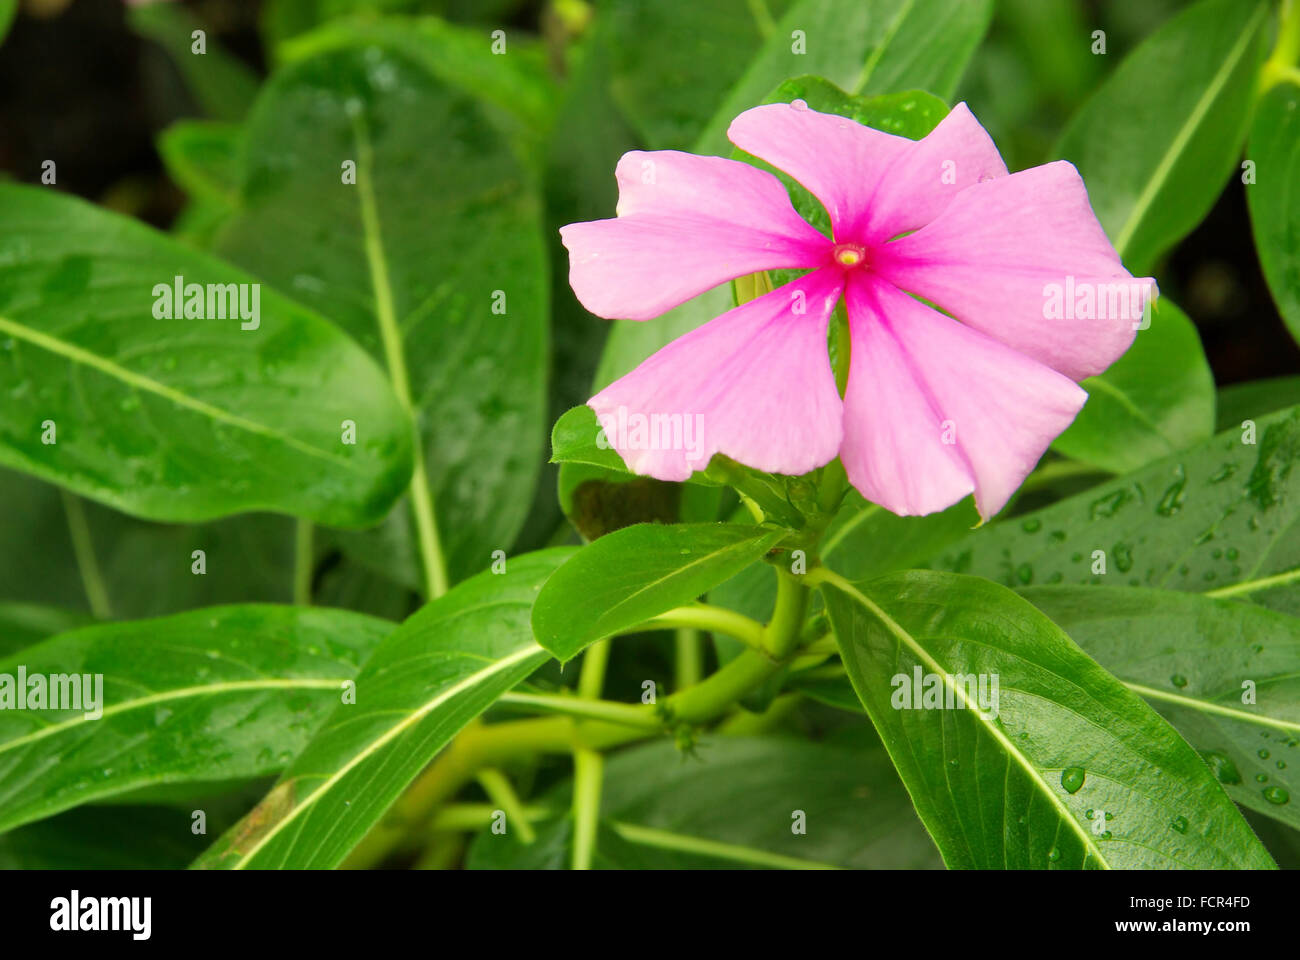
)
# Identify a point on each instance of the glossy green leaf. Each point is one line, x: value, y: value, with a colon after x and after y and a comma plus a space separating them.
x: 633, y: 574
x: 1250, y: 401
x: 1222, y: 672
x: 442, y: 668
x: 674, y: 63
x: 1155, y: 400
x: 218, y: 694
x: 182, y: 419
x: 575, y: 438
x: 1156, y: 142
x: 1221, y: 518
x: 863, y: 46
x: 1057, y: 767
x: 1274, y: 197
x: 517, y: 83
x: 738, y: 793
x: 416, y: 260
x: 223, y: 85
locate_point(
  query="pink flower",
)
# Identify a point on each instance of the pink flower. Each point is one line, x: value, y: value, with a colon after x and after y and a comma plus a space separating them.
x: 934, y: 409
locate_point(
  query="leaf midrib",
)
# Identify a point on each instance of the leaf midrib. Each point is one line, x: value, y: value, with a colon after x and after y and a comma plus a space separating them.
x: 392, y: 733
x: 921, y: 653
x: 78, y: 355
x: 180, y: 693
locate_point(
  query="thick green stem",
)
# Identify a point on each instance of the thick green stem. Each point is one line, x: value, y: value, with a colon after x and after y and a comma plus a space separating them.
x: 701, y: 616
x: 588, y: 769
x: 782, y: 634
x: 688, y: 657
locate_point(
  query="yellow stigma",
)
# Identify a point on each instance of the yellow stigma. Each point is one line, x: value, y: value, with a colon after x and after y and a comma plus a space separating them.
x: 849, y: 255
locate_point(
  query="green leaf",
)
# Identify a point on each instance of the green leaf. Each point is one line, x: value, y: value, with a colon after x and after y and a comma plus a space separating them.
x: 633, y: 574
x: 441, y: 224
x: 440, y: 669
x: 729, y: 805
x: 1220, y: 518
x: 1063, y: 768
x: 218, y: 694
x: 673, y: 63
x: 1157, y: 399
x: 575, y: 438
x: 1222, y: 672
x: 202, y: 156
x: 1274, y: 147
x: 1157, y: 141
x: 184, y: 419
x: 517, y: 85
x: 866, y: 540
x: 1250, y: 401
x: 223, y: 85
x: 23, y: 624
x: 863, y: 46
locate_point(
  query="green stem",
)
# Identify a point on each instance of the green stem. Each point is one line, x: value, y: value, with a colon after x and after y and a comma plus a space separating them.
x: 688, y: 659
x: 1281, y: 66
x: 588, y: 769
x: 701, y: 616
x: 588, y: 764
x: 584, y: 708
x: 782, y: 633
x: 84, y: 550
x: 303, y: 562
x: 426, y: 526
x: 499, y: 791
x: 473, y: 817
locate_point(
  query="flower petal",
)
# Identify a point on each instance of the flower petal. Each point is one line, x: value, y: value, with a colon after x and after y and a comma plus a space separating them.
x: 754, y: 384
x: 934, y: 409
x: 685, y: 225
x: 924, y: 179
x: 839, y: 160
x: 1004, y: 254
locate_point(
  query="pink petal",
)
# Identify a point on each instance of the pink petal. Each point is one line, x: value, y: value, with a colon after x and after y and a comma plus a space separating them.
x: 685, y: 224
x: 754, y: 383
x: 990, y: 259
x: 918, y: 378
x: 924, y: 179
x: 838, y: 160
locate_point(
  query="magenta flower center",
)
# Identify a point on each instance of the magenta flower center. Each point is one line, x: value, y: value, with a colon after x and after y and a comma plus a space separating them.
x: 849, y: 255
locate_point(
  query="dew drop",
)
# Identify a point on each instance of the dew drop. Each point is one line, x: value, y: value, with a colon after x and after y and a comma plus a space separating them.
x: 1054, y: 854
x: 800, y: 105
x: 1179, y: 824
x: 1178, y: 680
x: 1276, y: 795
x: 1072, y: 779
